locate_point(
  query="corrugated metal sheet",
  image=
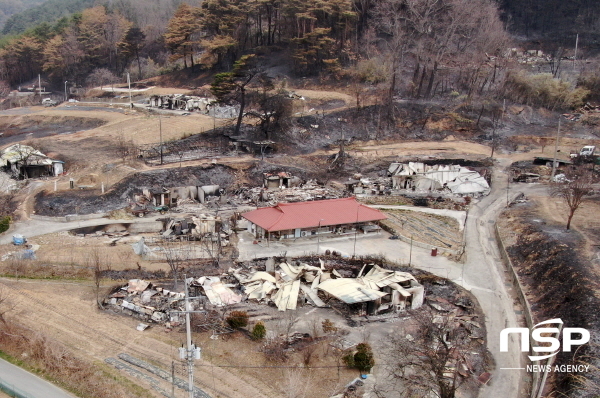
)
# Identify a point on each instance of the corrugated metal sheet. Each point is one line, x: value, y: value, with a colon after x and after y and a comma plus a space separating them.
x: 312, y: 296
x: 350, y: 290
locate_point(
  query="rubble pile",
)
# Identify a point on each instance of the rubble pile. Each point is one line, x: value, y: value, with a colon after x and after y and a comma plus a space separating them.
x: 198, y: 227
x: 454, y: 179
x: 308, y: 191
x: 141, y: 299
x: 369, y: 186
x: 286, y: 286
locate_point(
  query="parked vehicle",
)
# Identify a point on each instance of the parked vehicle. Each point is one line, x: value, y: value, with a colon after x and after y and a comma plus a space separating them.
x: 587, y: 150
x: 49, y: 102
x: 141, y: 211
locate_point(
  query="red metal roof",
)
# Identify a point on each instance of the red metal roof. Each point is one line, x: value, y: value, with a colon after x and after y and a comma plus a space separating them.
x: 286, y: 216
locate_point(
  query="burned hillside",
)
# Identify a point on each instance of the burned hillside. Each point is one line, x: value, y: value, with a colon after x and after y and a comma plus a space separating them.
x: 559, y: 284
x: 88, y: 202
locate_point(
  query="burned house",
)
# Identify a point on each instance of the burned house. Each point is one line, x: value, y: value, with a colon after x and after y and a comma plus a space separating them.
x: 280, y: 180
x: 375, y: 290
x: 171, y: 196
x: 303, y: 219
x: 456, y: 179
x: 181, y: 102
x: 255, y: 147
x: 23, y: 161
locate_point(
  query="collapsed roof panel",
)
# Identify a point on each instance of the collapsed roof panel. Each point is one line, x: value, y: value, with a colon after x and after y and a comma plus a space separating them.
x: 350, y: 291
x: 458, y: 179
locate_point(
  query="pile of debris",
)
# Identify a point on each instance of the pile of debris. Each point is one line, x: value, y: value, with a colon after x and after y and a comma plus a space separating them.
x: 197, y: 227
x: 180, y: 101
x: 360, y: 186
x: 418, y: 176
x: 375, y: 290
x: 383, y: 289
x: 308, y: 191
x: 143, y: 300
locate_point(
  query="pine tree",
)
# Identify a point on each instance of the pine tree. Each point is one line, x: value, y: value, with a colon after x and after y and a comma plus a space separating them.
x: 180, y: 35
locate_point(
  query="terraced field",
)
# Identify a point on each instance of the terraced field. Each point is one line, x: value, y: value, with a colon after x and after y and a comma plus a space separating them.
x: 435, y: 230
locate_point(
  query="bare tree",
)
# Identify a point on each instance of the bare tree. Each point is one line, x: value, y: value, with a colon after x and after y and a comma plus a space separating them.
x: 125, y: 148
x: 573, y: 191
x: 101, y: 77
x: 211, y: 245
x: 176, y: 253
x: 295, y: 383
x: 428, y: 360
x: 95, y: 260
x: 435, y: 34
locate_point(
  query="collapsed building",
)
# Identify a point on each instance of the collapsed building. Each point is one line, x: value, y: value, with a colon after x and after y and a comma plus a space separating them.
x: 191, y: 103
x: 374, y: 291
x: 23, y: 161
x: 181, y: 101
x: 171, y: 196
x: 418, y: 176
x: 303, y: 219
x: 292, y: 189
x: 280, y: 180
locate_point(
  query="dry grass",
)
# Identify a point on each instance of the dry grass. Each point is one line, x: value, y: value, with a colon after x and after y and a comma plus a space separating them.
x: 49, y: 358
x: 62, y: 255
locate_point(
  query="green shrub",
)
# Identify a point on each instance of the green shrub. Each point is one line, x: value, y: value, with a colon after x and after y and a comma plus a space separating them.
x: 5, y: 223
x: 259, y: 331
x: 363, y: 359
x: 237, y: 319
x: 348, y: 360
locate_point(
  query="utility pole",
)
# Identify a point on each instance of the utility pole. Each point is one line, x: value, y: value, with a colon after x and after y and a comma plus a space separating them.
x: 576, y: 45
x: 507, y: 185
x: 410, y: 252
x: 355, y: 231
x: 555, y: 149
x: 318, y: 235
x: 191, y: 352
x: 172, y: 379
x: 129, y: 84
x: 161, y: 141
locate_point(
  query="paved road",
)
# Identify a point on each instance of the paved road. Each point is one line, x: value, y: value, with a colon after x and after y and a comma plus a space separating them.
x: 33, y: 227
x: 29, y: 383
x: 484, y: 277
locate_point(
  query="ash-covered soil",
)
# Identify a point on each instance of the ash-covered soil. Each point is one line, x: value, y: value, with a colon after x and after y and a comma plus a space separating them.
x: 560, y: 283
x: 88, y: 202
x: 17, y: 130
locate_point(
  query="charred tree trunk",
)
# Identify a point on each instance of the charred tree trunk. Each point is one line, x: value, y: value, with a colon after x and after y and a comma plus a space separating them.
x: 431, y: 80
x: 423, y: 74
x: 241, y: 114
